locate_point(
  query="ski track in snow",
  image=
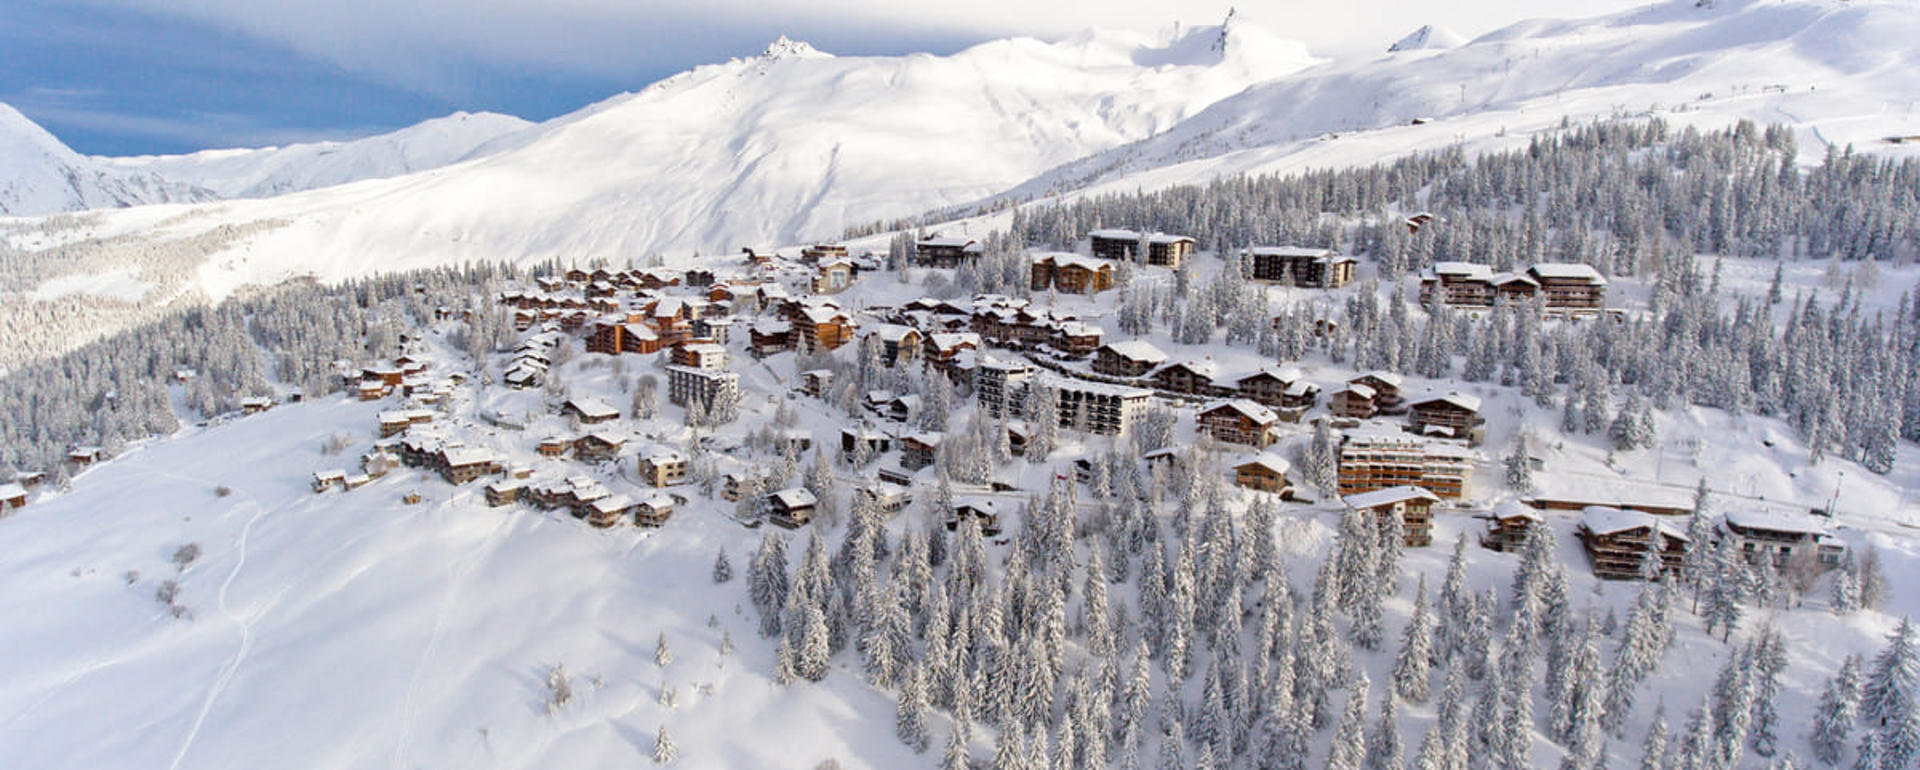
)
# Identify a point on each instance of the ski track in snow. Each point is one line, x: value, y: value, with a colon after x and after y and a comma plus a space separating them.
x: 239, y: 656
x: 456, y: 578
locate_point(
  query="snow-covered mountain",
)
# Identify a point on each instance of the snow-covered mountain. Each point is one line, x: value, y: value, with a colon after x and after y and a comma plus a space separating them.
x: 269, y: 171
x: 41, y: 175
x: 1837, y: 72
x: 1428, y: 37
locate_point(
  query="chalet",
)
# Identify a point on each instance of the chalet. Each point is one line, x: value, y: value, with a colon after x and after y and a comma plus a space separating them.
x: 598, y: 446
x: 255, y: 405
x: 1571, y: 287
x: 322, y: 481
x: 1239, y: 421
x: 1130, y: 358
x: 897, y: 344
x: 1412, y: 504
x: 372, y: 390
x: 1071, y: 274
x: 589, y: 411
x: 823, y: 251
x: 85, y: 456
x: 1076, y: 338
x: 1783, y: 539
x: 902, y: 408
x: 554, y: 446
x: 1283, y: 390
x: 686, y: 385
x: 1194, y: 378
x: 614, y: 336
x: 1371, y: 461
x: 816, y: 382
x: 30, y: 479
x: 767, y: 337
x: 793, y: 441
x: 877, y: 442
x: 396, y: 421
x: 608, y: 511
x: 1455, y: 415
x: 653, y: 509
x: 1508, y: 525
x: 1620, y: 543
x: 1163, y: 250
x: 833, y: 276
x: 885, y: 498
x: 356, y: 481
x: 942, y: 347
x: 1353, y: 400
x: 1264, y: 473
x: 504, y: 492
x: 1457, y: 284
x: 459, y: 465
x: 576, y: 494
x: 730, y: 486
x: 791, y: 508
x: 662, y: 466
x: 699, y: 277
x: 985, y: 511
x: 1164, y: 458
x: 946, y: 252
x: 1302, y: 267
x: 700, y: 355
x: 823, y: 328
x: 1386, y: 391
x: 917, y: 450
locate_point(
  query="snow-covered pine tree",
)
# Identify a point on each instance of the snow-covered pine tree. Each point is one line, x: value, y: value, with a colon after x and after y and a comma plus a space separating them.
x: 1834, y: 717
x: 1519, y: 464
x: 722, y: 569
x: 1412, y: 673
x: 1384, y: 751
x: 664, y: 752
x: 1350, y: 736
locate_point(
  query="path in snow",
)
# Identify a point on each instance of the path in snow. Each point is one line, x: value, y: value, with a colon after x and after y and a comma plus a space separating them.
x: 456, y: 577
x: 239, y: 656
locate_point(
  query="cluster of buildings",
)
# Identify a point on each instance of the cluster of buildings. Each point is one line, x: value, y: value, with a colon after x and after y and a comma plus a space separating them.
x: 1570, y: 289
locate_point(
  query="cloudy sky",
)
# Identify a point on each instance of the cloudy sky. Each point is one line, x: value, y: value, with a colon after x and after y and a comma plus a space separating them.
x: 149, y: 76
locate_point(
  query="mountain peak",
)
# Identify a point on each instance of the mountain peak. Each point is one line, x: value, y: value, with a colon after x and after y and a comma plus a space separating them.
x: 788, y: 48
x: 1428, y: 38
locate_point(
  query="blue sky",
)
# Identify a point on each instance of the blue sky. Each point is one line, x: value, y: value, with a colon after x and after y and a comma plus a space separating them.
x: 123, y: 77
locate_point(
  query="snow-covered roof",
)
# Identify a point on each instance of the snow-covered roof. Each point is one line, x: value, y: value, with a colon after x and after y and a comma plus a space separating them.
x: 1114, y: 234
x: 1290, y: 251
x: 1076, y: 385
x: 1206, y: 369
x: 771, y: 326
x: 1389, y: 496
x: 947, y: 340
x: 1465, y: 401
x: 945, y: 242
x: 655, y: 500
x: 1777, y: 522
x: 704, y: 349
x: 1603, y: 520
x: 1137, y: 350
x: 1568, y: 271
x: 1248, y: 408
x: 1379, y: 375
x: 1359, y: 390
x: 461, y: 456
x: 1269, y: 461
x: 1461, y: 270
x: 1067, y: 259
x: 606, y: 438
x: 612, y: 504
x: 1080, y: 329
x: 592, y: 408
x: 658, y: 454
x: 1514, y: 509
x: 797, y: 497
x: 891, y: 332
x: 1165, y: 238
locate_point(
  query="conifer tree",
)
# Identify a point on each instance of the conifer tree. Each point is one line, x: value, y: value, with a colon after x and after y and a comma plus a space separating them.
x: 1350, y: 736
x: 1383, y: 745
x: 1412, y: 677
x: 1833, y: 718
x: 664, y: 752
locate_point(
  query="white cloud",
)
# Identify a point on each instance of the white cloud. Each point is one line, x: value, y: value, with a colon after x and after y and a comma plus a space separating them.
x: 438, y: 45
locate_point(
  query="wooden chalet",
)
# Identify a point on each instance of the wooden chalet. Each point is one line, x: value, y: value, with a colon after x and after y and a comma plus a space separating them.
x: 1454, y: 415
x: 599, y: 446
x: 877, y: 443
x: 899, y: 345
x: 84, y: 456
x: 1305, y: 268
x: 1412, y: 504
x: 1386, y: 391
x: 1163, y: 250
x: 832, y: 276
x: 504, y: 492
x: 1071, y: 274
x: 1284, y: 390
x: 615, y: 336
x: 1240, y: 421
x: 255, y: 405
x: 917, y: 450
x: 1508, y: 525
x: 985, y: 511
x: 791, y: 508
x: 1194, y: 378
x: 1570, y: 287
x: 1265, y: 472
x: 1761, y: 536
x: 1128, y: 358
x: 459, y: 465
x: 823, y: 328
x: 322, y: 481
x: 589, y: 411
x: 1621, y: 543
x: 653, y: 509
x: 554, y: 446
x: 946, y: 252
x: 1352, y: 400
x: 608, y: 511
x: 768, y: 336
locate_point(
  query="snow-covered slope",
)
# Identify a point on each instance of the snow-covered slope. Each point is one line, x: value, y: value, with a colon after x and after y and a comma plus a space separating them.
x: 41, y: 175
x: 1428, y: 37
x: 1838, y: 72
x: 264, y: 172
x: 791, y: 144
